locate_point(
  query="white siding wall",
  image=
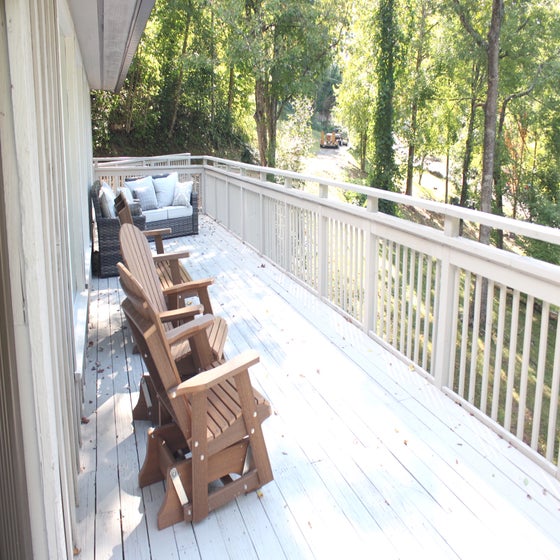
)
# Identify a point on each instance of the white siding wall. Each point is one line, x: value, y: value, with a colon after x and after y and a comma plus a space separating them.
x: 46, y: 154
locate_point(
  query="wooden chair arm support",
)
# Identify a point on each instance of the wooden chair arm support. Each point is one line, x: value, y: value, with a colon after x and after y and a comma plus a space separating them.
x: 157, y: 234
x: 186, y: 312
x: 187, y: 330
x: 171, y: 256
x: 207, y: 379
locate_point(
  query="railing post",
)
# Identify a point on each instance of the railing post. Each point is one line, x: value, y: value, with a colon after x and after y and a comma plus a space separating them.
x: 372, y: 272
x: 322, y: 254
x: 372, y: 204
x: 445, y: 335
x: 323, y: 191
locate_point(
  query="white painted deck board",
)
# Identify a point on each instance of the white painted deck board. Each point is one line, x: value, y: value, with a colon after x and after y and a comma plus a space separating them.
x: 369, y: 459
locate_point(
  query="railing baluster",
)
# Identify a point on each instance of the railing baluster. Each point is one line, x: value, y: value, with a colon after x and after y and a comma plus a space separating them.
x: 474, y: 339
x: 410, y: 303
x: 526, y: 355
x: 551, y: 437
x: 499, y: 353
x: 487, y: 348
x: 465, y: 332
x: 418, y: 318
x: 403, y: 320
x: 541, y: 364
x: 427, y: 311
x: 512, y: 362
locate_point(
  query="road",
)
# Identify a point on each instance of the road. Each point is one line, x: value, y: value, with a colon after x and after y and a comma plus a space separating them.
x: 333, y: 163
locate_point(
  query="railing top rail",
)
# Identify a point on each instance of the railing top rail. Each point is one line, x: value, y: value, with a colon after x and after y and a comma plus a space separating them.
x: 519, y: 227
x: 119, y: 161
x: 449, y: 211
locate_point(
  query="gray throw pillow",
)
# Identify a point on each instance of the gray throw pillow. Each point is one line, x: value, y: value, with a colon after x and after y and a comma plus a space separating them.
x: 143, y: 190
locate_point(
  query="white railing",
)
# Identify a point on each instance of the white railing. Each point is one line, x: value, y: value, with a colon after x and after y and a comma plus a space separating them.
x: 480, y: 322
x: 177, y: 160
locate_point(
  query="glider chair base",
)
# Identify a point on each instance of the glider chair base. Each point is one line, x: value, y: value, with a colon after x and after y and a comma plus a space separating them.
x: 148, y: 406
x: 233, y: 471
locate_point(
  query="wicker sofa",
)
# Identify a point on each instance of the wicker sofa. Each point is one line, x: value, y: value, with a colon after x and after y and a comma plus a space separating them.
x: 106, y: 225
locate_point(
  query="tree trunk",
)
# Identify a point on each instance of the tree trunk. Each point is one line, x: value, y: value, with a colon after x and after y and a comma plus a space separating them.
x: 414, y: 109
x: 498, y: 178
x: 363, y: 150
x: 490, y: 115
x: 231, y: 86
x: 271, y: 121
x: 130, y: 98
x: 178, y: 85
x: 260, y: 120
x: 467, y: 156
x: 410, y: 168
x: 384, y: 167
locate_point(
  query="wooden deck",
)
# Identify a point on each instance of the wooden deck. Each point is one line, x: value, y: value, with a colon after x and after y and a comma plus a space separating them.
x: 369, y: 459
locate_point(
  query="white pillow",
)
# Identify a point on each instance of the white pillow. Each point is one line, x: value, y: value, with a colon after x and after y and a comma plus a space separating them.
x: 107, y: 201
x: 182, y: 195
x: 143, y: 190
x: 165, y: 189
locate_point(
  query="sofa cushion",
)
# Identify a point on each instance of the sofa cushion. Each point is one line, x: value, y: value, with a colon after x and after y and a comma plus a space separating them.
x: 107, y: 201
x: 179, y: 211
x: 155, y: 215
x: 165, y: 189
x: 143, y: 190
x: 182, y: 196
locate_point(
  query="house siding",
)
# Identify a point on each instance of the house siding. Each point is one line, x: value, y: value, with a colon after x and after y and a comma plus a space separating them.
x: 45, y: 141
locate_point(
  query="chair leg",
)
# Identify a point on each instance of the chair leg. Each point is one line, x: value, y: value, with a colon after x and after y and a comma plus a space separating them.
x: 254, y: 429
x: 176, y: 505
x: 162, y: 444
x: 143, y: 408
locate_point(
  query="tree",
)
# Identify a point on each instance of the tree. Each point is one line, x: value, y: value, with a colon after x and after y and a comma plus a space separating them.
x: 384, y: 166
x: 357, y: 91
x: 285, y: 46
x: 295, y: 135
x: 420, y: 86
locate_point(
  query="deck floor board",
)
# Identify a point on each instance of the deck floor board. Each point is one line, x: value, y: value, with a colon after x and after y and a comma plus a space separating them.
x: 369, y: 458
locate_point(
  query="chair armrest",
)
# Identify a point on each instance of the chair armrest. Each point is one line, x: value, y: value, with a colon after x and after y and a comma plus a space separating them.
x: 188, y: 286
x: 207, y: 379
x: 171, y: 256
x: 187, y: 312
x: 156, y: 232
x: 188, y: 330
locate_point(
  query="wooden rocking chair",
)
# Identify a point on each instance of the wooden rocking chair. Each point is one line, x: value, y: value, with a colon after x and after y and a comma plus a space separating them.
x: 140, y: 262
x: 214, y: 449
x: 170, y: 271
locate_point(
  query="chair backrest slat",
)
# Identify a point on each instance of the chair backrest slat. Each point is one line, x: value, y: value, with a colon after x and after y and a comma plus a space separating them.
x: 152, y: 342
x: 138, y: 259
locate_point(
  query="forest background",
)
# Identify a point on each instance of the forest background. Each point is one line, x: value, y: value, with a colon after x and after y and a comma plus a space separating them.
x: 474, y: 84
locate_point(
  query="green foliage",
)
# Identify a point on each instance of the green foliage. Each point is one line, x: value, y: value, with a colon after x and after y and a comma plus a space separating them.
x: 217, y: 77
x: 295, y: 136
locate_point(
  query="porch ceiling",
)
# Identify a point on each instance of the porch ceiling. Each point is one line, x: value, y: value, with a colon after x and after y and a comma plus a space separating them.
x: 109, y: 32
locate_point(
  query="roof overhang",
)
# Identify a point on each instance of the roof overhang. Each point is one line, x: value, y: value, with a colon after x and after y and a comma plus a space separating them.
x: 108, y: 32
